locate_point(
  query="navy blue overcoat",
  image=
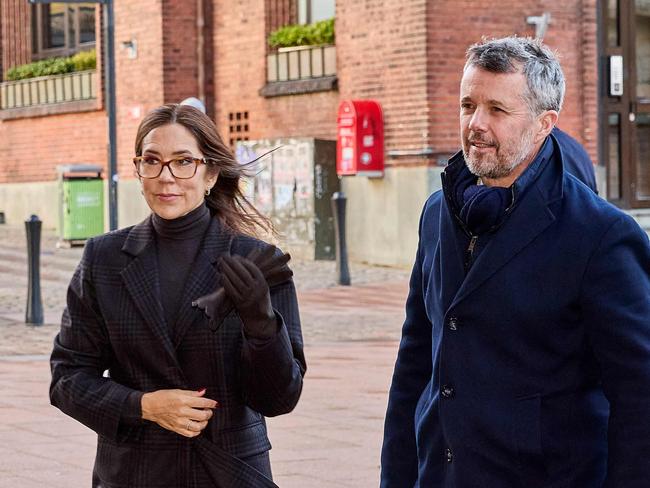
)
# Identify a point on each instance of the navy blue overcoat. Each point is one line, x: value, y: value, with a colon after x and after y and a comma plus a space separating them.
x: 533, y: 370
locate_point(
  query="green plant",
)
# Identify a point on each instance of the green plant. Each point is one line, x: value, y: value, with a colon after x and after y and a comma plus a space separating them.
x: 321, y: 32
x: 84, y: 60
x: 53, y: 66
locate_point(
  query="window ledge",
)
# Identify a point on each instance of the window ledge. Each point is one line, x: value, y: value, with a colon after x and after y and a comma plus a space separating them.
x: 298, y: 87
x: 50, y: 109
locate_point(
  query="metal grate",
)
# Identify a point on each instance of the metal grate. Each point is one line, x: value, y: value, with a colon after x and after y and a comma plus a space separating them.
x: 238, y: 127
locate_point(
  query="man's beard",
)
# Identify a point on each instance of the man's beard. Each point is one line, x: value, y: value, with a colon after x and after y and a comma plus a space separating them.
x: 507, y: 159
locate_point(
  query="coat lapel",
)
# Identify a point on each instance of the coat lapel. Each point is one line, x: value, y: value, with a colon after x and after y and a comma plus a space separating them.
x: 449, y: 263
x: 141, y: 279
x: 202, y: 279
x: 528, y: 220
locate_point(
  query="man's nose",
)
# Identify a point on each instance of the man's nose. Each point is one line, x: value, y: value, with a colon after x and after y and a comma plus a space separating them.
x: 478, y: 121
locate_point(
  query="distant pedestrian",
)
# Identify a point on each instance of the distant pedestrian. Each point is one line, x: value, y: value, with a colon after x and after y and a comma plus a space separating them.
x: 187, y: 387
x: 525, y: 353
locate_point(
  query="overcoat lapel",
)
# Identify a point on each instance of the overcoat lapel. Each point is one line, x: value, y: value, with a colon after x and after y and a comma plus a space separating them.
x: 142, y: 281
x: 528, y: 220
x: 202, y: 279
x: 449, y: 264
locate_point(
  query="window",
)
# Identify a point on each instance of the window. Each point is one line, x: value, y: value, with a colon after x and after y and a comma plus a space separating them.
x: 310, y: 11
x: 61, y: 29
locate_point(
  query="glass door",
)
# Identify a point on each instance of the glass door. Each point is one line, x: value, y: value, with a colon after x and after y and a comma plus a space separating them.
x: 625, y: 101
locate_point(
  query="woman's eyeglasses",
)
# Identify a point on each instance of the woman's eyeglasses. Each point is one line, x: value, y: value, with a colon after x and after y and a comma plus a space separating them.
x: 183, y: 167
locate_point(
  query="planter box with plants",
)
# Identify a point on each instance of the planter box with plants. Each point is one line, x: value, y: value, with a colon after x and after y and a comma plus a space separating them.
x: 54, y: 80
x: 303, y: 52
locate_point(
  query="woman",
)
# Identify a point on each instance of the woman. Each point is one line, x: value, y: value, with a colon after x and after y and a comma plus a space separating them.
x: 184, y: 400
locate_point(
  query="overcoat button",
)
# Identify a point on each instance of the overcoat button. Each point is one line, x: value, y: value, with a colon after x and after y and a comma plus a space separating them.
x: 452, y: 323
x: 447, y: 391
x: 449, y: 455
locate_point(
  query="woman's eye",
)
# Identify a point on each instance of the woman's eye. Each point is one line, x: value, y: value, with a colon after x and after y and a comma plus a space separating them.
x: 185, y: 161
x: 150, y: 161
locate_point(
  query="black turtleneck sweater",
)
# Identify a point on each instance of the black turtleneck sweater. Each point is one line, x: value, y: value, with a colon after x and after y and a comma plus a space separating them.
x: 177, y: 242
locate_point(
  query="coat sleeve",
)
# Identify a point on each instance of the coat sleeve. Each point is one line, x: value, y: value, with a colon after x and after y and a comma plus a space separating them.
x: 273, y: 368
x: 616, y: 304
x: 81, y: 354
x: 413, y: 369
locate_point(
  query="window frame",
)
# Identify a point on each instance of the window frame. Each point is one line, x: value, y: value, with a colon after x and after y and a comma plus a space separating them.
x: 39, y: 52
x: 308, y: 11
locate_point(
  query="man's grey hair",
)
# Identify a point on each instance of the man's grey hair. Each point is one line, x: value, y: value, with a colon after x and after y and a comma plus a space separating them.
x: 536, y: 61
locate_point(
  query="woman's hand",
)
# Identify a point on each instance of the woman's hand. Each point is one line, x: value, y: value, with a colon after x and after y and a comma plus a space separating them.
x: 185, y: 412
x: 248, y: 290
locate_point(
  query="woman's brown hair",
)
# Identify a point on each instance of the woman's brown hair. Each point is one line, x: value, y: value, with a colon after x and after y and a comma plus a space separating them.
x: 226, y: 200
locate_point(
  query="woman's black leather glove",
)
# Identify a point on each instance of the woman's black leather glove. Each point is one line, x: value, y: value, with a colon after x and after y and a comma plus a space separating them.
x: 246, y: 287
x: 219, y: 304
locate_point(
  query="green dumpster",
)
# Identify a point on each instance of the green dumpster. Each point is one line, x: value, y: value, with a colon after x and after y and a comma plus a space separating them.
x: 81, y: 201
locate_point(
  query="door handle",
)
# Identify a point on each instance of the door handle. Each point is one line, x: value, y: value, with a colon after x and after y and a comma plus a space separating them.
x: 632, y: 113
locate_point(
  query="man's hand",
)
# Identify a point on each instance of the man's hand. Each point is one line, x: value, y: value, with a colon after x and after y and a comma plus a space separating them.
x: 185, y: 412
x: 248, y: 290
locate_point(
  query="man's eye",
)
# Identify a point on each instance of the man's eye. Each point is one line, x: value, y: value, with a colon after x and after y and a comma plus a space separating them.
x: 466, y: 106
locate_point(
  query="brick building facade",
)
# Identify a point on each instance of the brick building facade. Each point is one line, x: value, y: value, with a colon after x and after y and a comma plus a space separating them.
x: 406, y: 54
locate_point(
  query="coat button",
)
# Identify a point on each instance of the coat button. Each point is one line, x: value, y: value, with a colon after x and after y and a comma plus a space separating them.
x: 447, y: 391
x: 452, y: 323
x: 449, y: 455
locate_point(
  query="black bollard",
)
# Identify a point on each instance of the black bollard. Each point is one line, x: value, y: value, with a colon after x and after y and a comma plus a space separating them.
x: 338, y: 209
x: 34, y: 313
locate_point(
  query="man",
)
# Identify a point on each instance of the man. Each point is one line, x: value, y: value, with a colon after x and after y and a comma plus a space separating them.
x: 525, y: 353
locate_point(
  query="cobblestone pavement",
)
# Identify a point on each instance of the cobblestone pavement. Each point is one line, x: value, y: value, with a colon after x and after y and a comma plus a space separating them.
x: 333, y: 437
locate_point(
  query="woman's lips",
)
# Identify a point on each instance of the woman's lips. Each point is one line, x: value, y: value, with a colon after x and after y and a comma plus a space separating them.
x: 167, y: 197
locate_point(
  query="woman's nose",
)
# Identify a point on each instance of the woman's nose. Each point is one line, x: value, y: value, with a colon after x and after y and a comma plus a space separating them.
x: 166, y: 174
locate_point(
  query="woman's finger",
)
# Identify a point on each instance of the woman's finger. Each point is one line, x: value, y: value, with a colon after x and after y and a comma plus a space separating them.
x: 231, y: 275
x: 261, y: 256
x: 276, y: 262
x: 231, y: 290
x: 237, y: 264
x: 252, y: 269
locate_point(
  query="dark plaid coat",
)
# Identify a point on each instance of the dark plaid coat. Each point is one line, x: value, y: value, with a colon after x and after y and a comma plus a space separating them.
x: 114, y: 321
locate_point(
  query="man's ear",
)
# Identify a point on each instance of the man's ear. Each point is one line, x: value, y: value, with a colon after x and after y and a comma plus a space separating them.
x: 547, y: 121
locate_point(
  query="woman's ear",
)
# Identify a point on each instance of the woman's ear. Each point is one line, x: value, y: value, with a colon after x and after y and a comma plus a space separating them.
x: 212, y: 179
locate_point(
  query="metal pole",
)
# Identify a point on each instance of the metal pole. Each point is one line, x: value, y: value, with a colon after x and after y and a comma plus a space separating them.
x: 110, y: 107
x: 34, y: 313
x: 338, y: 209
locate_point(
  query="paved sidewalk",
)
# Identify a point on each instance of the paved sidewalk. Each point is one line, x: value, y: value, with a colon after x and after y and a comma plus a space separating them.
x: 333, y: 437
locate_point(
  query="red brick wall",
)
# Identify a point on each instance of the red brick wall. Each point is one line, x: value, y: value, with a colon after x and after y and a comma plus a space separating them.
x: 140, y: 85
x: 240, y: 71
x: 453, y: 26
x: 408, y: 55
x: 30, y: 149
x: 382, y: 54
x: 15, y: 34
x: 179, y: 35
